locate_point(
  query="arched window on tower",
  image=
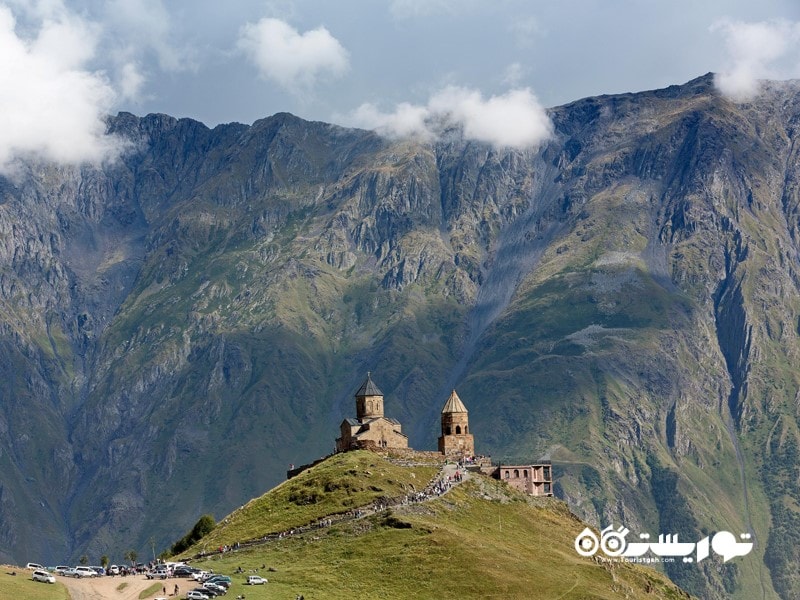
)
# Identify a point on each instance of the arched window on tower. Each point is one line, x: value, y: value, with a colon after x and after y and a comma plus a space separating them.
x: 516, y: 473
x: 466, y: 429
x: 525, y: 473
x: 458, y: 429
x: 508, y: 474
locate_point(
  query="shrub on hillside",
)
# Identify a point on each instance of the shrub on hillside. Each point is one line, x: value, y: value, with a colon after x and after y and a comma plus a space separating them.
x: 203, y: 527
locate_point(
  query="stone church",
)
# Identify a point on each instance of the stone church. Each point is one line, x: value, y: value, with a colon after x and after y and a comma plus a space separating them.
x: 370, y: 429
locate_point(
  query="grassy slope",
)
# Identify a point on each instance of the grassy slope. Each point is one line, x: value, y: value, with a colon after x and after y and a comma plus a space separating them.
x: 22, y: 587
x: 481, y: 540
x: 340, y: 483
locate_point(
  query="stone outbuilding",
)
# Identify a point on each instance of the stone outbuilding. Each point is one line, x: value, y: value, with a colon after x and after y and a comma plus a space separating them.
x: 370, y: 428
x: 533, y: 479
x: 456, y: 440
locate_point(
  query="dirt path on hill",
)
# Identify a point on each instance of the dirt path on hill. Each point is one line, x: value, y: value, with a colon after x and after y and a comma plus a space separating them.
x: 106, y: 588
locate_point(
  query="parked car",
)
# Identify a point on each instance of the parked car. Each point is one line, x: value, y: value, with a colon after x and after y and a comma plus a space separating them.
x: 113, y: 570
x: 196, y: 595
x: 82, y: 571
x: 159, y: 574
x: 184, y: 571
x: 43, y: 576
x: 222, y: 580
x: 215, y: 588
x: 35, y: 567
x: 99, y: 570
x: 256, y: 580
x: 201, y: 575
x: 61, y: 569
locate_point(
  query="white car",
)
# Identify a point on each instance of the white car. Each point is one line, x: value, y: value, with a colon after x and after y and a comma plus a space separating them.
x: 195, y: 595
x: 85, y: 572
x: 215, y: 588
x: 201, y: 575
x: 61, y: 569
x: 256, y: 580
x: 35, y: 567
x: 157, y: 574
x: 43, y: 576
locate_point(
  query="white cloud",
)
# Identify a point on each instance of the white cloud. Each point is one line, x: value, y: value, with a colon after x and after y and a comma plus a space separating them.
x: 513, y: 74
x: 515, y: 119
x: 756, y: 51
x: 131, y: 81
x: 51, y: 105
x: 407, y: 120
x: 294, y: 60
x: 140, y: 26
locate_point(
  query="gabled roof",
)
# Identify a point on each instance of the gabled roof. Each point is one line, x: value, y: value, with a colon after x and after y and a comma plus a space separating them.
x: 454, y: 404
x: 368, y: 388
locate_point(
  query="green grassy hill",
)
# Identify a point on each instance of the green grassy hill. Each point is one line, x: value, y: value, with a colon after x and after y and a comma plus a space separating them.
x: 480, y: 540
x: 22, y: 587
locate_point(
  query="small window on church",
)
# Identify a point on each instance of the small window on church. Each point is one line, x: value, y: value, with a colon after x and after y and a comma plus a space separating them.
x: 466, y: 429
x: 458, y: 429
x: 525, y: 473
x: 516, y: 473
x: 508, y: 474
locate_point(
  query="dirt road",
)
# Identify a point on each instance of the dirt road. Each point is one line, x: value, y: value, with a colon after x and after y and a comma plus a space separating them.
x: 115, y: 588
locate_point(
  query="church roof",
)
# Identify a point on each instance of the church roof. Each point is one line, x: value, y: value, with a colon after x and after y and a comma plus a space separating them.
x: 454, y: 404
x: 368, y: 388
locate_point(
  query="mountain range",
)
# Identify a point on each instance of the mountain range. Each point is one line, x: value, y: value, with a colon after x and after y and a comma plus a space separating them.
x: 180, y: 325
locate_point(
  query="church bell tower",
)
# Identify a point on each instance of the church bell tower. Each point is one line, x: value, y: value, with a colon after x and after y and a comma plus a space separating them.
x: 456, y: 440
x: 369, y: 400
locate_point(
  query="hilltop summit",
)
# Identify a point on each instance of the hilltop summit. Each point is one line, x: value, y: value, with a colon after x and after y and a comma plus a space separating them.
x: 481, y: 538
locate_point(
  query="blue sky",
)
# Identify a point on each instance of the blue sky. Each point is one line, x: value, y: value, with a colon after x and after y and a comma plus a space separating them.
x: 393, y: 65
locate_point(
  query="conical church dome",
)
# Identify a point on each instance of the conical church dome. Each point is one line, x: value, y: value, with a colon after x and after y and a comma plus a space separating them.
x: 368, y: 388
x: 454, y: 404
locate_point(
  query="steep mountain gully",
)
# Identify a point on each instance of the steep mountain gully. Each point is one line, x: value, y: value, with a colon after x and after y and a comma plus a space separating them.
x: 734, y: 339
x: 517, y: 251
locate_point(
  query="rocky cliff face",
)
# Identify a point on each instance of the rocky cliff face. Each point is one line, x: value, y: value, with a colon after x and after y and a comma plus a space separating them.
x: 181, y: 325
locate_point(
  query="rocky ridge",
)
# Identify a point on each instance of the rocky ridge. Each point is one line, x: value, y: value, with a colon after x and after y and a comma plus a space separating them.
x: 179, y: 326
